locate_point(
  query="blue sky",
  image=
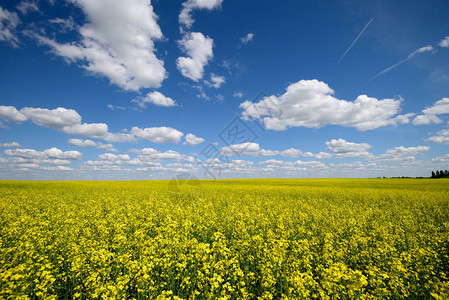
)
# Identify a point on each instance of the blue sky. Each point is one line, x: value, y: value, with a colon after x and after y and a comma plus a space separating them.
x: 111, y: 89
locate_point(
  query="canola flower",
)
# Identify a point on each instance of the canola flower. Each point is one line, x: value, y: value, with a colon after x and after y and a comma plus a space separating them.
x: 230, y: 239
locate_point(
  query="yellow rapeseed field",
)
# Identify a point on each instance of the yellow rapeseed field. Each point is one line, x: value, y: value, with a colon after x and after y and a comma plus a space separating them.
x: 228, y: 239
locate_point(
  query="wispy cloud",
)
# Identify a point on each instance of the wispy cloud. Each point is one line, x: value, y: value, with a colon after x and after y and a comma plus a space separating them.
x: 411, y: 55
x: 361, y: 32
x: 444, y: 43
x: 247, y: 38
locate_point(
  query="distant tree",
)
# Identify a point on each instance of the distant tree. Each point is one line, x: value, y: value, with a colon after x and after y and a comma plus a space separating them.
x: 440, y: 174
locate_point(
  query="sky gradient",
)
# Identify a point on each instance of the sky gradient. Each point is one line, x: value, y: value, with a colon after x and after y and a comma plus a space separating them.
x: 110, y: 89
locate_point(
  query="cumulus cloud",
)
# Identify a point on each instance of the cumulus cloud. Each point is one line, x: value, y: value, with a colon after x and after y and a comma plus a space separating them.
x: 10, y: 145
x: 69, y: 121
x: 192, y: 140
x: 310, y: 103
x: 59, y: 154
x: 293, y: 165
x: 442, y: 137
x: 444, y: 159
x: 112, y: 157
x: 11, y: 114
x: 158, y: 134
x: 92, y: 144
x: 117, y: 42
x: 240, y: 149
x: 149, y: 155
x: 185, y: 16
x: 430, y: 114
x: 343, y: 149
x: 215, y: 81
x: 93, y: 130
x: 444, y: 43
x: 199, y: 50
x: 119, y: 137
x: 8, y: 27
x: 155, y: 98
x: 52, y: 153
x: 255, y: 150
x: 342, y: 146
x: 426, y: 119
x: 247, y: 38
x: 401, y: 153
x: 52, y: 118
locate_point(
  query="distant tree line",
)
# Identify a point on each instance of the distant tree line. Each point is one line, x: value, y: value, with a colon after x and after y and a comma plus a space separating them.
x: 440, y: 174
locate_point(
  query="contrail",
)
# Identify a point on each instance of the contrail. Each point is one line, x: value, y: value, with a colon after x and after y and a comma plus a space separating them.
x: 420, y: 50
x: 361, y: 32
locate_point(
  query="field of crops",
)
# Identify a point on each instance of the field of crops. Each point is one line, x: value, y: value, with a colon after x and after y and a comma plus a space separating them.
x: 229, y: 239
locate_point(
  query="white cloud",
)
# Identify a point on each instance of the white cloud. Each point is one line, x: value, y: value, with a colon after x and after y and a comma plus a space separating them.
x: 90, y: 143
x: 342, y: 146
x: 119, y: 137
x: 293, y: 165
x: 444, y: 43
x: 192, y: 140
x: 410, y: 56
x: 93, y: 130
x: 59, y: 154
x: 426, y: 119
x: 342, y: 149
x: 113, y: 157
x: 11, y: 114
x: 240, y: 149
x: 52, y: 153
x: 10, y: 145
x: 114, y: 107
x: 401, y: 153
x: 185, y: 16
x: 64, y: 24
x: 37, y: 166
x: 117, y: 42
x: 444, y: 159
x: 424, y: 49
x: 216, y: 81
x: 442, y: 137
x: 155, y: 98
x: 8, y: 27
x: 430, y: 114
x: 25, y: 153
x: 238, y: 94
x: 199, y: 50
x: 158, y: 134
x: 26, y: 7
x: 150, y: 155
x: 54, y: 118
x: 247, y: 38
x: 69, y: 121
x: 309, y: 103
x: 254, y: 150
x: 295, y: 153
